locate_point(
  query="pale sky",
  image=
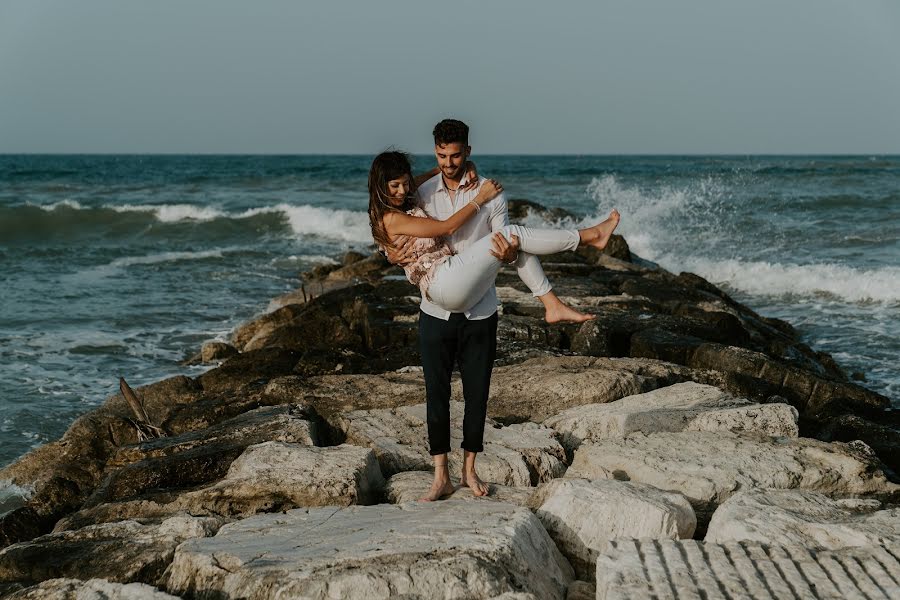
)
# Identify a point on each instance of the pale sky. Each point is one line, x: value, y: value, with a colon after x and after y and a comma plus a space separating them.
x: 573, y: 77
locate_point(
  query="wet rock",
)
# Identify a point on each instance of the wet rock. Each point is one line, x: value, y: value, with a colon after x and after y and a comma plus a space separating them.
x: 288, y: 422
x: 684, y: 406
x: 517, y: 455
x: 216, y: 351
x: 810, y: 393
x: 198, y: 457
x: 63, y: 473
x: 249, y: 368
x: 883, y: 437
x: 264, y: 324
x: 709, y: 467
x: 92, y: 589
x: 635, y: 569
x: 359, y: 268
x: 582, y: 516
x: 419, y: 549
x: 412, y: 485
x: 803, y: 518
x: 121, y: 552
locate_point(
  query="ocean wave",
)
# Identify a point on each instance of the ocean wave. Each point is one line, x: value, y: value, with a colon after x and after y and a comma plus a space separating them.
x: 173, y: 213
x: 72, y: 219
x: 816, y: 280
x: 70, y: 204
x: 163, y: 257
x: 341, y: 224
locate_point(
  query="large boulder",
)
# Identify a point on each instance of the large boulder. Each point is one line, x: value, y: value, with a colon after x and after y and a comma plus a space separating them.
x: 709, y: 467
x: 639, y: 569
x: 333, y: 395
x: 121, y: 552
x: 92, y: 589
x: 582, y: 516
x: 289, y: 421
x: 803, y: 518
x: 447, y: 549
x: 267, y: 477
x: 685, y: 406
x: 517, y: 455
x: 412, y: 485
x: 275, y: 476
x: 199, y: 457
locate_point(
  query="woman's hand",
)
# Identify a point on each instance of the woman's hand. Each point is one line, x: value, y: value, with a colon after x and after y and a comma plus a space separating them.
x: 472, y: 177
x: 400, y: 252
x: 490, y: 189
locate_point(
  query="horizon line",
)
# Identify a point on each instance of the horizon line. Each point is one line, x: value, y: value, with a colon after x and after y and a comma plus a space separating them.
x: 571, y: 154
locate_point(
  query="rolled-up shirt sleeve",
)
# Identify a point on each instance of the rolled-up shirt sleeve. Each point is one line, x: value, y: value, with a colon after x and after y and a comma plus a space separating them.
x: 499, y: 212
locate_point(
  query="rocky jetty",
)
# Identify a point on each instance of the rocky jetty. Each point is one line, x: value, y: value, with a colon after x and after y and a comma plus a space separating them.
x: 680, y: 445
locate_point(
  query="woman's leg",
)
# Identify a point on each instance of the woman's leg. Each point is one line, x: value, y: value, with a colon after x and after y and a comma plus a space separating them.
x: 531, y: 272
x: 465, y: 277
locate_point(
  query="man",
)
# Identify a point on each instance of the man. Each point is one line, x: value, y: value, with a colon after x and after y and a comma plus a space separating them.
x: 468, y: 338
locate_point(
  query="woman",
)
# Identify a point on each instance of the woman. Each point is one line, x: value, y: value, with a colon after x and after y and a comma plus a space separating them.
x: 457, y: 281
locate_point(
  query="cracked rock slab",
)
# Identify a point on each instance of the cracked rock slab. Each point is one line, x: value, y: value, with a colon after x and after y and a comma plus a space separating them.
x: 449, y: 549
x: 92, y: 589
x: 267, y: 477
x: 583, y: 516
x: 709, y: 467
x: 412, y: 485
x: 804, y: 518
x: 277, y: 476
x: 523, y: 454
x: 684, y: 406
x: 122, y: 552
x: 641, y: 569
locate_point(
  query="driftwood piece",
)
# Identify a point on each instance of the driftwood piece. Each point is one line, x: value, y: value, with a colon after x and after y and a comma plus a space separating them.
x: 146, y: 430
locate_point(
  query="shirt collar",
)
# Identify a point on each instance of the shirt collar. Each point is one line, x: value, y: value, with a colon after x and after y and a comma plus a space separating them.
x: 442, y: 186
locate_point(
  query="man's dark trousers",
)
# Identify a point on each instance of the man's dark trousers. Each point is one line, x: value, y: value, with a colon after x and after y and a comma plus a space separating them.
x: 473, y: 344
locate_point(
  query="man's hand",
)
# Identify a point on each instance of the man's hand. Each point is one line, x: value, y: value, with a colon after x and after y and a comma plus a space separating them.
x: 472, y: 174
x: 400, y: 253
x: 506, y: 251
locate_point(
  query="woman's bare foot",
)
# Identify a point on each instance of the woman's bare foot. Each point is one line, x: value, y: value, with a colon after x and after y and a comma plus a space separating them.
x: 473, y: 482
x: 598, y: 235
x: 558, y: 312
x: 439, y: 488
x: 566, y: 314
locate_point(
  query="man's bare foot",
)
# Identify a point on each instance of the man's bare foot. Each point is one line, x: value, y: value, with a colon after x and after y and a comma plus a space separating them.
x: 598, y: 235
x: 474, y: 483
x: 439, y: 489
x: 566, y: 314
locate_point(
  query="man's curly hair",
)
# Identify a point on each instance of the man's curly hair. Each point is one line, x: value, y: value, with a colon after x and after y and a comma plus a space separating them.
x: 451, y: 131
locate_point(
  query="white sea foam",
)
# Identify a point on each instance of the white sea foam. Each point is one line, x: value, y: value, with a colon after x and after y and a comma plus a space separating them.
x: 346, y: 225
x: 163, y: 257
x: 172, y: 213
x: 775, y: 279
x: 13, y: 496
x: 71, y: 204
x: 675, y: 227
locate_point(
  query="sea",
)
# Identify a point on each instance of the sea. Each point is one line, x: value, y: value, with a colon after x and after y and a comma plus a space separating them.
x: 122, y: 266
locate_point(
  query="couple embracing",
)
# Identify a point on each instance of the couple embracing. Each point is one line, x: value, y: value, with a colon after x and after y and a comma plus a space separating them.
x: 450, y: 231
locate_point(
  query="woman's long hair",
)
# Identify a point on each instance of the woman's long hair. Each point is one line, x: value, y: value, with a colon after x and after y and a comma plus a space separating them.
x: 388, y: 165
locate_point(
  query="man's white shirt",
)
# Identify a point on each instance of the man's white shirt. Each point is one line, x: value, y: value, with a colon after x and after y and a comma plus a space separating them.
x: 437, y: 202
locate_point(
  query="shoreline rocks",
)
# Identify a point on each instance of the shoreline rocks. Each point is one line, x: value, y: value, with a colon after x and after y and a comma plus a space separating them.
x: 676, y: 401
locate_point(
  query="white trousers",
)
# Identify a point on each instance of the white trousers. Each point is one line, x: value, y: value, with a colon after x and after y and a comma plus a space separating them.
x: 461, y: 281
